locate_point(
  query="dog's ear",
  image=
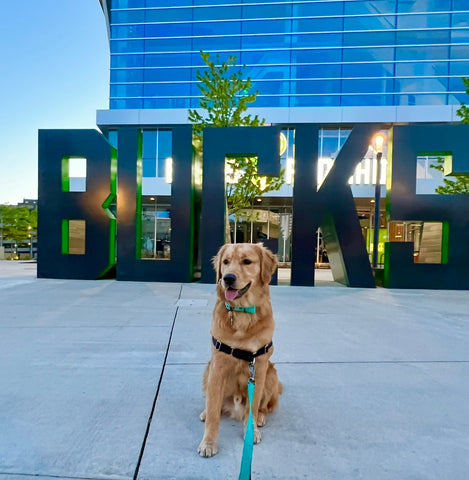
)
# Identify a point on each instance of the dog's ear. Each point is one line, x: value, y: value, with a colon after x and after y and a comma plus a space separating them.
x: 216, y: 261
x: 268, y: 264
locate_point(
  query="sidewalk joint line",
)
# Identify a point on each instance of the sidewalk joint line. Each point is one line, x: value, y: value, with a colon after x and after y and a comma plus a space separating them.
x: 155, y: 399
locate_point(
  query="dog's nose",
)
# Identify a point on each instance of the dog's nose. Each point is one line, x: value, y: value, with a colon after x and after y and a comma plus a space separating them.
x: 229, y: 279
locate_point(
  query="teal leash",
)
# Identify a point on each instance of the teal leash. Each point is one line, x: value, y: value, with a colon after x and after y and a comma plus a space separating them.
x: 246, y: 460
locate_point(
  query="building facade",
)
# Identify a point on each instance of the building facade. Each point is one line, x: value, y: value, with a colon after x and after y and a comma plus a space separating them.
x: 335, y: 63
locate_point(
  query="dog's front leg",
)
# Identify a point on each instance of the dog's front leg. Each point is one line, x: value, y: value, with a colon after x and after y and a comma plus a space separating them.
x: 213, y: 405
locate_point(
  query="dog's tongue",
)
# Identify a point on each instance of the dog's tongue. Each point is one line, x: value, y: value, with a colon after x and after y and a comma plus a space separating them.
x: 231, y: 295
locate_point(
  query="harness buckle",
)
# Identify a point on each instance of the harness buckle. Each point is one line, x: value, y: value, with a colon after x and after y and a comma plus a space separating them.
x: 217, y: 345
x: 252, y: 370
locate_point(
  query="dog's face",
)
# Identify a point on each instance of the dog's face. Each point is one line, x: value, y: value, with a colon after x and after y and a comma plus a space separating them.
x: 242, y: 268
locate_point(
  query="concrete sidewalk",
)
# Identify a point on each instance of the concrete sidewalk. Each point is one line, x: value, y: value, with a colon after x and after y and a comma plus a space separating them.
x: 376, y: 383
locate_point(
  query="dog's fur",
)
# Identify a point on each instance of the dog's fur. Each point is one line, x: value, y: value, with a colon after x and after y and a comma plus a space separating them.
x: 226, y: 377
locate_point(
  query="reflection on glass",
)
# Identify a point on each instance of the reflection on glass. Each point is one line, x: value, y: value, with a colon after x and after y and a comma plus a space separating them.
x: 156, y: 228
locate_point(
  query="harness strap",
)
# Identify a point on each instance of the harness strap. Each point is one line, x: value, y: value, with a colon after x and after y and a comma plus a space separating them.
x: 246, y: 460
x: 238, y: 353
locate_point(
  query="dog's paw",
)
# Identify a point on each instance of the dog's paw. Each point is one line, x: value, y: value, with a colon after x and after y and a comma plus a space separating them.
x: 207, y: 449
x: 203, y: 416
x: 257, y: 436
x: 261, y: 419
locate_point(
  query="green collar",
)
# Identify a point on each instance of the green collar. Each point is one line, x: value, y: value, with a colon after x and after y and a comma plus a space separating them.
x: 240, y: 309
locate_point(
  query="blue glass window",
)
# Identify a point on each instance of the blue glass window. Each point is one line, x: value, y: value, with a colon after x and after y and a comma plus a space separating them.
x: 166, y: 103
x: 164, y: 3
x: 216, y: 28
x: 167, y: 74
x: 420, y: 99
x: 215, y: 2
x: 315, y: 101
x: 149, y: 153
x: 370, y: 23
x: 365, y: 85
x: 171, y: 30
x: 460, y: 51
x: 219, y: 13
x: 123, y: 61
x: 317, y: 40
x: 461, y: 69
x: 127, y: 31
x: 423, y: 5
x: 166, y: 89
x: 267, y: 26
x: 417, y: 85
x: 368, y: 54
x: 324, y: 24
x: 460, y: 35
x: 127, y: 16
x: 268, y: 72
x: 168, y: 45
x: 424, y: 20
x: 126, y: 75
x: 316, y: 56
x: 422, y: 68
x: 168, y: 15
x: 126, y: 103
x: 127, y: 46
x: 316, y: 71
x: 128, y: 3
x: 167, y: 59
x: 132, y: 90
x: 316, y: 86
x: 456, y: 84
x: 320, y: 9
x: 366, y: 100
x: 370, y: 7
x: 262, y: 57
x: 266, y: 41
x: 423, y: 37
x: 223, y: 43
x: 278, y: 101
x: 421, y: 53
x: 368, y: 70
x: 266, y: 11
x: 369, y: 38
x: 459, y: 4
x: 457, y: 98
x: 271, y: 87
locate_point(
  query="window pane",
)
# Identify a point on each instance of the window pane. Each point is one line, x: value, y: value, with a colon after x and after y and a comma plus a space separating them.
x: 122, y: 61
x: 225, y: 43
x: 316, y: 71
x: 168, y: 45
x: 274, y: 72
x: 420, y: 99
x: 216, y: 28
x: 167, y: 74
x: 423, y: 5
x: 370, y: 23
x: 274, y: 101
x: 127, y: 90
x: 424, y: 20
x: 127, y: 46
x: 127, y: 31
x: 167, y: 59
x: 422, y: 68
x: 266, y: 11
x: 168, y: 15
x: 366, y: 100
x: 317, y: 9
x: 316, y: 86
x: 126, y: 76
x: 367, y: 85
x: 315, y: 101
x: 422, y: 84
x: 316, y: 56
x: 219, y: 13
x: 368, y: 54
x: 323, y: 24
x: 368, y: 69
x: 272, y: 57
x: 370, y: 7
x: 168, y: 30
x: 316, y: 40
x: 166, y: 89
x: 369, y: 38
x: 421, y: 53
x: 421, y: 37
x: 266, y: 41
x: 273, y: 87
x: 127, y: 16
x: 165, y: 103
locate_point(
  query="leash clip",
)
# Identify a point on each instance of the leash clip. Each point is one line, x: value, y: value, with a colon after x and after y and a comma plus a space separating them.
x: 252, y: 369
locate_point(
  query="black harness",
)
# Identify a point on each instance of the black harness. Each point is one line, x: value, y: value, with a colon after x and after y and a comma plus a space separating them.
x: 238, y: 353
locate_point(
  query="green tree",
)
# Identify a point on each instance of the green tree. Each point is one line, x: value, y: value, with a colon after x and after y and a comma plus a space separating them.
x: 451, y: 186
x: 463, y: 110
x: 19, y: 223
x: 460, y: 183
x: 224, y: 102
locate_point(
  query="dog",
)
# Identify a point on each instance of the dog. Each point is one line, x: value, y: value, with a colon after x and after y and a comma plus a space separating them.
x: 242, y: 328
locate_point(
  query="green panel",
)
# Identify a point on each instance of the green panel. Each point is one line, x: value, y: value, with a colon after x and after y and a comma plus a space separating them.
x: 65, y: 174
x: 112, y: 219
x: 445, y: 242
x: 65, y: 237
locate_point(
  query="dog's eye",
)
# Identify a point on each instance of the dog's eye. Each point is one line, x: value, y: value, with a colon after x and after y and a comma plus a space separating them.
x: 226, y: 262
x: 246, y: 261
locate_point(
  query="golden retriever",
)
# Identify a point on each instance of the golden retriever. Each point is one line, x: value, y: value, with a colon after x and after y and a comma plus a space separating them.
x: 244, y: 271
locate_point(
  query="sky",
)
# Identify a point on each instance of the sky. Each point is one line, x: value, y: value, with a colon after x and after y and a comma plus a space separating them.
x: 54, y: 73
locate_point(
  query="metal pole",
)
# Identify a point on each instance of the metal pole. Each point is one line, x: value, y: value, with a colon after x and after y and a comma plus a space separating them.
x: 377, y: 199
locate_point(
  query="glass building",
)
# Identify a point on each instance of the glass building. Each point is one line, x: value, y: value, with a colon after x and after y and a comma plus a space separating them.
x: 310, y: 60
x: 332, y: 62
